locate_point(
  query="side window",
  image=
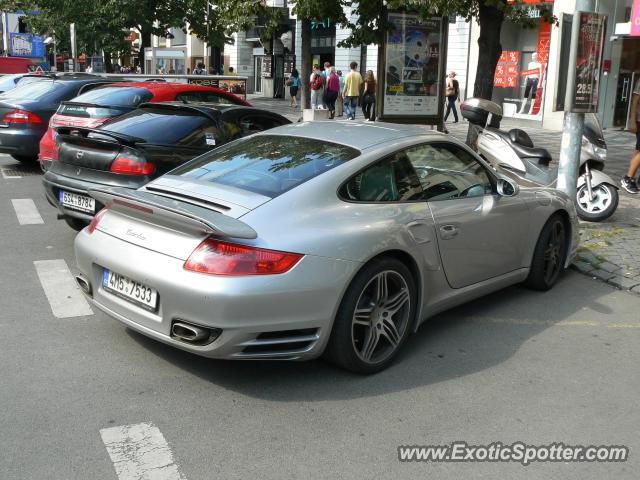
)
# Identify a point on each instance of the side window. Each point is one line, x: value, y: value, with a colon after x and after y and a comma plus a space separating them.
x: 189, y: 97
x: 251, y: 123
x: 447, y: 172
x: 390, y: 180
x: 216, y: 98
x: 207, y: 136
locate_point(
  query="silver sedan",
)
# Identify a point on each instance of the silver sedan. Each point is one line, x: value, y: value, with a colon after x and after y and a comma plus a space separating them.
x: 318, y: 238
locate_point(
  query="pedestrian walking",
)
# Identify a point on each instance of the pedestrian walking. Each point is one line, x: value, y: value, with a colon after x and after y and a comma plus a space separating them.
x: 316, y: 82
x: 199, y: 70
x: 629, y: 182
x: 340, y: 101
x: 325, y: 72
x: 452, y: 92
x: 369, y: 97
x: 332, y: 91
x: 294, y: 85
x: 351, y: 91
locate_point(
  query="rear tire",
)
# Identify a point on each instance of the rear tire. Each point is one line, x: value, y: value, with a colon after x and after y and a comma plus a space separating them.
x: 374, y: 318
x: 602, y: 207
x: 549, y: 255
x: 75, y: 223
x: 26, y: 158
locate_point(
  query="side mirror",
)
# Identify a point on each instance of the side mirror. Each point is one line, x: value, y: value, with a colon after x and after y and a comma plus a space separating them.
x: 507, y: 188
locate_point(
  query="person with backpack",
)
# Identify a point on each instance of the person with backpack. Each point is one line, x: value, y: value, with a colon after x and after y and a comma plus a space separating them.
x: 316, y: 83
x: 452, y: 92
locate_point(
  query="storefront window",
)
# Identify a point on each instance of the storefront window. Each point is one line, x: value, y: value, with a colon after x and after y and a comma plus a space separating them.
x: 520, y: 81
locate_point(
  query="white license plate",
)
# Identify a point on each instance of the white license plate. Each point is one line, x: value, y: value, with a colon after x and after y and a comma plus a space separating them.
x: 78, y: 202
x: 130, y: 289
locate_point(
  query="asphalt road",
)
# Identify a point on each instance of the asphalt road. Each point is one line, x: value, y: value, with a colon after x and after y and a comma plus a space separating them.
x: 515, y: 366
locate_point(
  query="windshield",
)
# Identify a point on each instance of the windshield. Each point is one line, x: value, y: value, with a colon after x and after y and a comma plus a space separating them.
x: 34, y: 90
x: 115, y: 96
x: 267, y: 164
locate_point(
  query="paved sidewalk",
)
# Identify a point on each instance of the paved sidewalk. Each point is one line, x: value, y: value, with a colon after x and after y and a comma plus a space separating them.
x: 610, y: 250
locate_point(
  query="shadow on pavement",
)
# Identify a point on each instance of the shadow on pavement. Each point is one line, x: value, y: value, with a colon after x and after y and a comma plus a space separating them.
x: 460, y: 342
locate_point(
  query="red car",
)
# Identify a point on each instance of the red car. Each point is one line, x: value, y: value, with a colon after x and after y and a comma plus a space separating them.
x: 93, y: 108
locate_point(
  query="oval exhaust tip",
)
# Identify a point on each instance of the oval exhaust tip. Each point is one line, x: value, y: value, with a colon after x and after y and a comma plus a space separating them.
x: 189, y: 333
x: 84, y: 284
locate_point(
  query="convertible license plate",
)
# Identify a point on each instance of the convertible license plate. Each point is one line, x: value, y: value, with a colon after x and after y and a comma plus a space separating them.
x: 78, y: 202
x: 130, y: 289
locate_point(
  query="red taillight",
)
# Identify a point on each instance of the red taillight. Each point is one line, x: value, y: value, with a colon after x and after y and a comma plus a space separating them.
x: 96, y: 220
x: 21, y: 116
x: 132, y: 166
x: 224, y: 258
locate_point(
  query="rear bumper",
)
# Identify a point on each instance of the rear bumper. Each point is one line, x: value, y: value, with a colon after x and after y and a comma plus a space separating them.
x: 15, y: 141
x: 71, y: 178
x: 305, y: 298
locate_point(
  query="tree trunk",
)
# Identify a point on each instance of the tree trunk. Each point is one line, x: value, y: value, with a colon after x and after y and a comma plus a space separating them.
x: 489, y: 50
x: 145, y: 42
x: 108, y: 66
x: 305, y: 64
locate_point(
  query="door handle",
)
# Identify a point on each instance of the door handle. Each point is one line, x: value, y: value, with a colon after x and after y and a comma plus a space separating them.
x: 448, y: 231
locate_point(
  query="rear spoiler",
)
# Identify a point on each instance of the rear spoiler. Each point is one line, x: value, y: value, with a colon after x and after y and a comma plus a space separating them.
x: 170, y: 212
x: 65, y: 131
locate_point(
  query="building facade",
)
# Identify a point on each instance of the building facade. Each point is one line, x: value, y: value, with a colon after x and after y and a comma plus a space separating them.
x: 531, y: 76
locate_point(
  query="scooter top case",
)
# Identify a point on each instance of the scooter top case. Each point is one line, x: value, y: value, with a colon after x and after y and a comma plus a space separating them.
x: 477, y: 110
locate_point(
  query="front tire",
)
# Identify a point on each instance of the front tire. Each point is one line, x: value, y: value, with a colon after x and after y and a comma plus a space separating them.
x: 374, y: 318
x: 601, y: 207
x: 549, y: 255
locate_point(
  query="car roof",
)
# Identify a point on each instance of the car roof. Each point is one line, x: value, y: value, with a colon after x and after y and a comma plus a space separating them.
x: 67, y: 77
x: 155, y: 86
x: 354, y: 134
x: 204, y: 107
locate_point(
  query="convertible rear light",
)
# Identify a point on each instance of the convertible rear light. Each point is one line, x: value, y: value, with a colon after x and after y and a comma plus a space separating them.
x: 21, y: 116
x: 96, y: 220
x: 223, y: 258
x: 132, y: 166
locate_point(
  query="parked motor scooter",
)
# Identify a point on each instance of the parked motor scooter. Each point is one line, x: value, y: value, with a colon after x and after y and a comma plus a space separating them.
x: 597, y: 194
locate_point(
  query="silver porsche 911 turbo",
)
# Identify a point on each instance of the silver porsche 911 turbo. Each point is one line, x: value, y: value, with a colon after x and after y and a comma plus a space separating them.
x: 318, y: 238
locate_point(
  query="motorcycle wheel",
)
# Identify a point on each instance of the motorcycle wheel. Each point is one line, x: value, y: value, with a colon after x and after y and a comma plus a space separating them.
x: 601, y: 207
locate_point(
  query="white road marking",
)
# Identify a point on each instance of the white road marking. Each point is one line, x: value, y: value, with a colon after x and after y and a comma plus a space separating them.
x: 140, y: 452
x: 26, y: 211
x: 60, y: 287
x: 4, y: 175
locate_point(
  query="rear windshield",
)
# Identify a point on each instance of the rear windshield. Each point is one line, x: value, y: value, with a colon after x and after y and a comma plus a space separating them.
x: 116, y: 96
x: 35, y: 90
x: 267, y: 164
x: 159, y: 126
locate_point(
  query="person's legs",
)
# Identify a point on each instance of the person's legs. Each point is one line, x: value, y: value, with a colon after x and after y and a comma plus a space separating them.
x: 452, y: 101
x: 365, y: 108
x: 372, y: 111
x: 628, y: 182
x: 314, y: 99
x: 448, y: 111
x: 353, y: 107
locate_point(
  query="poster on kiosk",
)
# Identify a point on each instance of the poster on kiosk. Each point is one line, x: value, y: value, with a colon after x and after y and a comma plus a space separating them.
x: 412, y: 69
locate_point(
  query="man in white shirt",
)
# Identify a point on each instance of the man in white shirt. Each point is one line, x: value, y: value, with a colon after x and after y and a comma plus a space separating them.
x: 531, y: 83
